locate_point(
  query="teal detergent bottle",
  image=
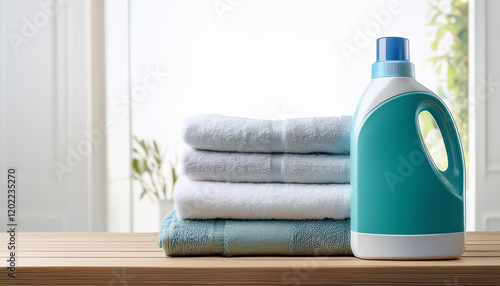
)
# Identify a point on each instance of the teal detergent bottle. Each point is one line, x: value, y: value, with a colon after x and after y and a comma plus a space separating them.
x: 402, y: 205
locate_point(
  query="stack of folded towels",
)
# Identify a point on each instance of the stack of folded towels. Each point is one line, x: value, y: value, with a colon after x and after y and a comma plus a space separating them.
x: 261, y: 187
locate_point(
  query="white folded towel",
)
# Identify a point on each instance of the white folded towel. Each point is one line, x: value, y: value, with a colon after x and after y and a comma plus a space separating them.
x: 250, y: 201
x: 201, y: 165
x: 299, y: 135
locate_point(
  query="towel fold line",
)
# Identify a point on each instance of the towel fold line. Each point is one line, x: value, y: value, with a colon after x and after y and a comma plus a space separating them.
x: 218, y: 238
x: 277, y: 166
x: 277, y: 136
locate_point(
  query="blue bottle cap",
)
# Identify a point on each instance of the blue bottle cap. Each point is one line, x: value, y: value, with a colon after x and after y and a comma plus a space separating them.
x: 393, y: 49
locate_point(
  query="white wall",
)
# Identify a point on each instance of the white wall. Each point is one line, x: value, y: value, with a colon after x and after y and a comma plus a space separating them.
x: 45, y: 114
x: 98, y: 118
x: 484, y: 112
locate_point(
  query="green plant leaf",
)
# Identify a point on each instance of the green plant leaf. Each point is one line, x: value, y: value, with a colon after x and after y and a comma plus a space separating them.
x: 174, y: 176
x: 439, y: 35
x: 135, y: 166
x: 138, y: 179
x: 158, y: 159
x: 144, y: 191
x: 156, y: 147
x: 145, y: 167
x: 142, y: 143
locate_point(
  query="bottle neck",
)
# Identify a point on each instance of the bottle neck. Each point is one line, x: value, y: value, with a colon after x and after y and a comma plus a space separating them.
x: 393, y: 69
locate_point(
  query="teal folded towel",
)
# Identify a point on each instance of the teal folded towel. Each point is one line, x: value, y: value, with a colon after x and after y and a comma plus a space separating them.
x: 180, y: 237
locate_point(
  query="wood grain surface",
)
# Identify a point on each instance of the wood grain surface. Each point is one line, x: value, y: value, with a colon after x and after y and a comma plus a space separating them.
x: 134, y: 259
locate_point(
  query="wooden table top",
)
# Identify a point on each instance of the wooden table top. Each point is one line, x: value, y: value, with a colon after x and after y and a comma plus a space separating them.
x: 134, y: 259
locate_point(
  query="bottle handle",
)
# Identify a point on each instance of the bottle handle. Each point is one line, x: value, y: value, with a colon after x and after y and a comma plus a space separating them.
x: 456, y: 165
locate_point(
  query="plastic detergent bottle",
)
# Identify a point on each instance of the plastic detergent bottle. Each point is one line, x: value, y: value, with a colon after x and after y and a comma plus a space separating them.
x: 402, y: 205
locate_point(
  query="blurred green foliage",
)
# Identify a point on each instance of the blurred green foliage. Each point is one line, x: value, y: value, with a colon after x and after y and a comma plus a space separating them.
x: 150, y: 169
x: 452, y: 63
